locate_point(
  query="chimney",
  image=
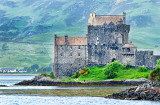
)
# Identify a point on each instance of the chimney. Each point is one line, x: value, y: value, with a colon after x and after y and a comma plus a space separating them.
x: 66, y: 39
x: 91, y: 15
x: 124, y: 17
x: 94, y: 15
x: 55, y: 36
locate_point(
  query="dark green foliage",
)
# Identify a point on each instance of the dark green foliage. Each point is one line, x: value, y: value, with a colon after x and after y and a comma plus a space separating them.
x: 142, y: 69
x: 127, y: 66
x: 44, y: 74
x: 155, y: 74
x: 112, y: 68
x: 51, y: 75
x: 34, y: 67
x: 5, y: 47
x: 158, y: 63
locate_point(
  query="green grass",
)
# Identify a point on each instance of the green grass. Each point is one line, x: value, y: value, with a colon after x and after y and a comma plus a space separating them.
x: 97, y: 74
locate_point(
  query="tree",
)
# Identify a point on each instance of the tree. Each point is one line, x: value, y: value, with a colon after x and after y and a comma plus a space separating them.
x: 112, y: 68
x: 34, y: 67
x: 5, y: 47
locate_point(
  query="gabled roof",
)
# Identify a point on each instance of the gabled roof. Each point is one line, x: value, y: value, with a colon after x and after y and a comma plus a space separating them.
x: 101, y: 19
x: 72, y: 40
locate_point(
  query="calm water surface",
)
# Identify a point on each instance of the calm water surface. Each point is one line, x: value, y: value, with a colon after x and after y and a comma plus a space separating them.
x: 57, y: 100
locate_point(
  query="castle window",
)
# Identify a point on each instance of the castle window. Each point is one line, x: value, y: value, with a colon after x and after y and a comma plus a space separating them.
x: 79, y: 47
x: 123, y: 49
x: 79, y: 54
x: 71, y: 47
x: 128, y: 49
x: 71, y: 65
x: 70, y: 54
x: 61, y: 54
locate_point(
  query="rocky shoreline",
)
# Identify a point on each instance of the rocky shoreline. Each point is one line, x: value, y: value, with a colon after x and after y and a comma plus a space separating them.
x: 147, y: 91
x: 46, y: 81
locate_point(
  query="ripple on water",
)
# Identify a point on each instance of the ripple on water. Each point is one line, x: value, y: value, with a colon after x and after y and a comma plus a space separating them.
x: 39, y: 100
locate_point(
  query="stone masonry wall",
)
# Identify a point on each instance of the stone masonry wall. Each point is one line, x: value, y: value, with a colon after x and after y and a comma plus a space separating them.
x: 70, y: 58
x: 144, y: 58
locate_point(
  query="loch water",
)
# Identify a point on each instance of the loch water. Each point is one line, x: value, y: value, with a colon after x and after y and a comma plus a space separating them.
x: 32, y: 99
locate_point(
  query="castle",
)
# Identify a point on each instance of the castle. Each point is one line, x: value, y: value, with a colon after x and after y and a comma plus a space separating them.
x: 107, y: 40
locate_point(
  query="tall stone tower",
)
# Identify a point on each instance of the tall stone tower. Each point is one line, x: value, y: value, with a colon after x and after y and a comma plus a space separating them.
x: 105, y: 38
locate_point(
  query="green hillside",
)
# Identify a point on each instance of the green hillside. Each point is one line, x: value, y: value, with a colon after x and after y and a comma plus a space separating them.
x: 36, y: 21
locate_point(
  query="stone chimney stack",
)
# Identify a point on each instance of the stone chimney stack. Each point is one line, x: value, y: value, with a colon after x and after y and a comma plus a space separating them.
x: 94, y: 15
x: 66, y: 39
x: 55, y: 36
x: 124, y: 17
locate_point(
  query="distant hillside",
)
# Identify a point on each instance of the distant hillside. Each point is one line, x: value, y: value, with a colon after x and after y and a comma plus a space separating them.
x: 38, y: 20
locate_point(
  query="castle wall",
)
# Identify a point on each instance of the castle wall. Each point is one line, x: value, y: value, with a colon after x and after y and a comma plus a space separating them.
x: 70, y: 58
x: 144, y: 58
x: 107, y: 34
x: 103, y: 54
x: 155, y: 58
x: 128, y: 59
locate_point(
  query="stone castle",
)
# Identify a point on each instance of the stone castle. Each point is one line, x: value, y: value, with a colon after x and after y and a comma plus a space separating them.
x: 107, y: 40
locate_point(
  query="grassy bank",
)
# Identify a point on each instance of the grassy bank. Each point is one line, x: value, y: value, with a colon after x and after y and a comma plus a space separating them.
x: 98, y: 74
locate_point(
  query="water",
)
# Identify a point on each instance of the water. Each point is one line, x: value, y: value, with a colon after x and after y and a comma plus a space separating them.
x: 11, y: 80
x: 39, y: 99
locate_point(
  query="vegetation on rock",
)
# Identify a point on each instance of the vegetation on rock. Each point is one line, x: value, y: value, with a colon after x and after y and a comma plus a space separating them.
x: 51, y: 75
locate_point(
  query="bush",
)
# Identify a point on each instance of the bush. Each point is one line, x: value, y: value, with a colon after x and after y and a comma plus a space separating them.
x: 51, y: 75
x: 112, y: 69
x: 44, y: 74
x: 158, y: 63
x: 82, y: 72
x: 155, y: 74
x: 76, y: 74
x: 142, y: 69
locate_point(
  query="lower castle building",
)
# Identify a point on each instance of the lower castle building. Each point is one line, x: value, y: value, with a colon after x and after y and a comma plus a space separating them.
x: 107, y: 40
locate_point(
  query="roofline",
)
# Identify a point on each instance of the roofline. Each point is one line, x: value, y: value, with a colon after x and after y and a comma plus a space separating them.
x: 109, y: 15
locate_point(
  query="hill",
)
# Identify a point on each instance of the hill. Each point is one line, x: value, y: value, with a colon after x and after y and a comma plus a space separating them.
x: 36, y: 21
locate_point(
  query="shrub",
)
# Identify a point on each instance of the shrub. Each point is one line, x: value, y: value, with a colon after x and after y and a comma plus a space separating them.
x: 155, y: 74
x: 82, y: 72
x: 127, y: 66
x: 44, y: 74
x: 112, y: 69
x: 76, y: 74
x: 158, y: 63
x: 142, y: 69
x: 51, y: 75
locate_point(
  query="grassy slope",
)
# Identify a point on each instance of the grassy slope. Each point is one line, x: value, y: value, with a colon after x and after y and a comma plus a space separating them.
x: 22, y: 55
x: 97, y: 74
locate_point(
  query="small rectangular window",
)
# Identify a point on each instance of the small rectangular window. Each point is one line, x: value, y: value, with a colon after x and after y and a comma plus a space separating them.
x: 70, y: 54
x: 79, y: 54
x: 79, y: 47
x: 61, y: 54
